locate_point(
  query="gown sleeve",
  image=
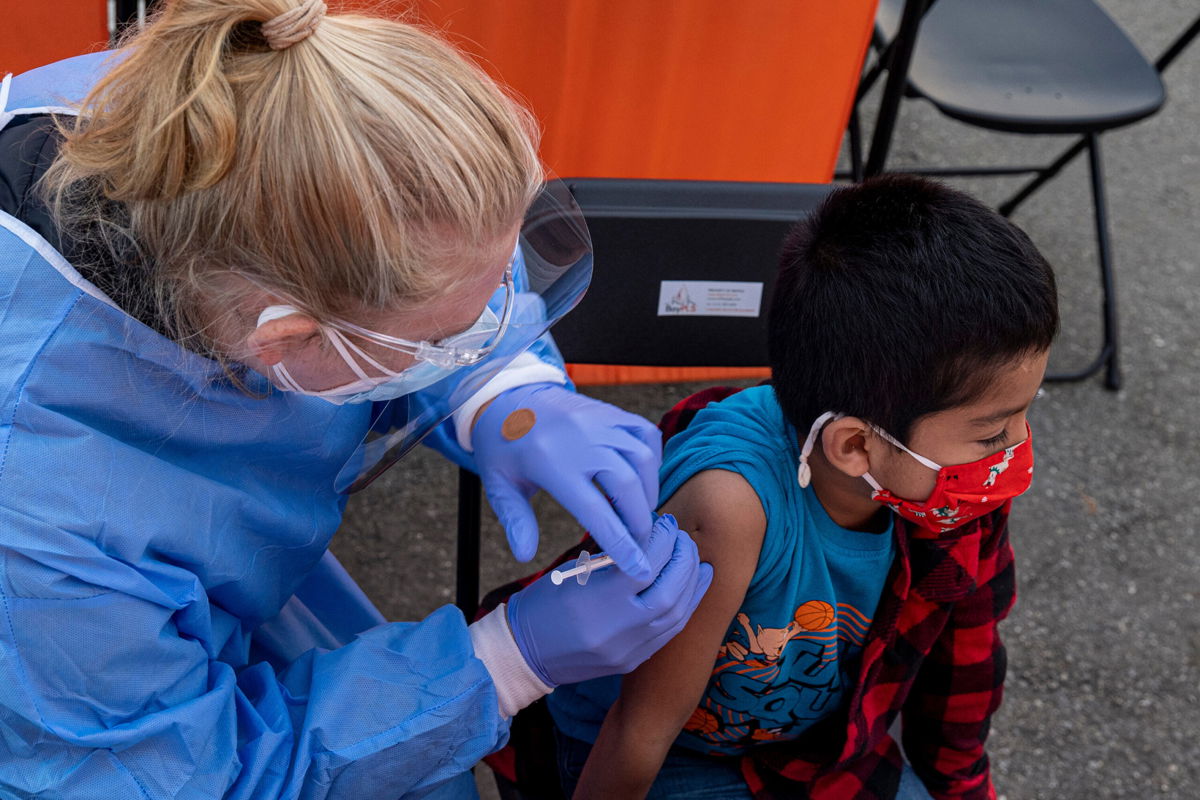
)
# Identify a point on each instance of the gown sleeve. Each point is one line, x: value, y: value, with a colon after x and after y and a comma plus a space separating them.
x: 112, y: 684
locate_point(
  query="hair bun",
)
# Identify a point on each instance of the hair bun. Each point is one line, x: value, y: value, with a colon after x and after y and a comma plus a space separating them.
x: 294, y: 25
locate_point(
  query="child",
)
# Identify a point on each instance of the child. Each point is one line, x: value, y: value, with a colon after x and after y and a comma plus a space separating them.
x: 857, y: 579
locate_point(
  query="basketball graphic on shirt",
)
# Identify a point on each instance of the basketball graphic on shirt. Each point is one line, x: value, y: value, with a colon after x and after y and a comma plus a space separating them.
x: 815, y: 615
x: 702, y: 721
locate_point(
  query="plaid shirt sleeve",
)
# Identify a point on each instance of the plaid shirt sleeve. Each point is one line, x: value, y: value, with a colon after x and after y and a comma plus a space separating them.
x: 961, y: 681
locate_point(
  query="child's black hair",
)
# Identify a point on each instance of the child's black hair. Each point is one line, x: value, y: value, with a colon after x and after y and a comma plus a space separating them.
x: 900, y: 297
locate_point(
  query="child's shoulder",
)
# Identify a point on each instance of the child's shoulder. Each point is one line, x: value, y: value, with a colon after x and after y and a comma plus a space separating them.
x: 749, y: 423
x: 761, y: 396
x: 752, y: 413
x: 744, y: 433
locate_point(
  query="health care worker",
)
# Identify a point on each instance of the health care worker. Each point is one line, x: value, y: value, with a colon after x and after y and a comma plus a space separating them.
x: 273, y: 251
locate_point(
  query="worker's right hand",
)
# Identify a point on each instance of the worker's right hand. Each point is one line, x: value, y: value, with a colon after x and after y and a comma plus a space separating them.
x: 570, y: 633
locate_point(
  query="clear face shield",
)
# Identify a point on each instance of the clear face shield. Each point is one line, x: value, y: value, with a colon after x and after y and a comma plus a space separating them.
x: 551, y: 270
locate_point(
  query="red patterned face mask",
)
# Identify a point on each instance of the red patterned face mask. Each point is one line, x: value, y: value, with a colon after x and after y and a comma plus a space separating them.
x: 963, y: 492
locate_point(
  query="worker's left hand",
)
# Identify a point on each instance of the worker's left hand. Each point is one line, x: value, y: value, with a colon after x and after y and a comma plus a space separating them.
x: 571, y: 633
x: 584, y: 453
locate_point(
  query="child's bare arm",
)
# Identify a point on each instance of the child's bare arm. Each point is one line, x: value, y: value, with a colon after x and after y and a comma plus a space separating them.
x: 724, y: 515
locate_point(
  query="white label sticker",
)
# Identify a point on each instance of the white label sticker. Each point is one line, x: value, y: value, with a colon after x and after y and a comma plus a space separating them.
x: 709, y: 298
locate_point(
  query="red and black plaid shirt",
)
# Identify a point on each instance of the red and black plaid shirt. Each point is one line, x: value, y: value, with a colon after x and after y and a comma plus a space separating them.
x: 932, y: 657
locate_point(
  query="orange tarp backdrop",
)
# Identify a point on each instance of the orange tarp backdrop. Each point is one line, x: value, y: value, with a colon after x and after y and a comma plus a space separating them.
x: 755, y: 90
x: 37, y: 32
x: 758, y: 90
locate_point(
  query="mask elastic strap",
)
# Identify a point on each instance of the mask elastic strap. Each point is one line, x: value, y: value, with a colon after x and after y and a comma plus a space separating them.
x: 888, y: 437
x: 345, y: 347
x: 804, y: 472
x: 286, y: 379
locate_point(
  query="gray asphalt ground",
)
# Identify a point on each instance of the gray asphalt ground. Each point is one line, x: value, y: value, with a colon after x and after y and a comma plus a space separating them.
x: 1103, y: 696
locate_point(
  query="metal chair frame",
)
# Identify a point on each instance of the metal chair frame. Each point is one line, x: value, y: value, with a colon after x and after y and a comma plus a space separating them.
x: 128, y: 12
x: 896, y: 57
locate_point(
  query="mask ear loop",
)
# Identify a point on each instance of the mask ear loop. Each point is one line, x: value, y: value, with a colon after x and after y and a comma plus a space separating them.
x: 887, y: 437
x: 933, y: 465
x: 286, y: 379
x: 345, y: 347
x: 804, y: 472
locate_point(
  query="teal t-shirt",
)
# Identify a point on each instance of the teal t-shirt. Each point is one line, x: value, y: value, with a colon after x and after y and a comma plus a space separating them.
x: 788, y: 655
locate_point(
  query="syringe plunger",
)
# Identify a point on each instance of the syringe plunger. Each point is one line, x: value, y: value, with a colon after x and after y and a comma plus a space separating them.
x: 584, y: 566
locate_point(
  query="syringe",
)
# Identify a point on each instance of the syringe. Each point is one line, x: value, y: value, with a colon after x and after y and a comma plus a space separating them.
x: 585, y: 565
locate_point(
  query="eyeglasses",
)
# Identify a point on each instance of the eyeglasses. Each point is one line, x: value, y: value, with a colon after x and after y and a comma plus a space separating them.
x: 459, y: 350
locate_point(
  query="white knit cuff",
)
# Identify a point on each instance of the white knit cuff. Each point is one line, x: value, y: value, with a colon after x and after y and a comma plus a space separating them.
x: 524, y: 369
x: 516, y: 684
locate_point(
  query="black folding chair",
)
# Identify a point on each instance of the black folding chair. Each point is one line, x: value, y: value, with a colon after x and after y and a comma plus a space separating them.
x: 128, y: 12
x: 1020, y: 66
x: 683, y: 274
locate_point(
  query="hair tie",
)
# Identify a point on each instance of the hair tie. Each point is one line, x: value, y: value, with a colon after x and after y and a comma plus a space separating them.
x: 294, y: 25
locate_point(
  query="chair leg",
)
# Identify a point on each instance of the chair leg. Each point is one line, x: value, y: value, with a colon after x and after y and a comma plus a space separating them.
x: 856, y: 160
x: 1112, y: 372
x: 1044, y: 175
x: 1107, y: 358
x: 1178, y: 46
x: 893, y: 89
x: 466, y: 579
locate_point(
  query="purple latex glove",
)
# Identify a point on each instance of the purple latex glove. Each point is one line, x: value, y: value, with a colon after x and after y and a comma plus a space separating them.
x: 572, y: 633
x: 581, y: 451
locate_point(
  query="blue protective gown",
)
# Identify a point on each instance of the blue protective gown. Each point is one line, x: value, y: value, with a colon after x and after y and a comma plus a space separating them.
x: 171, y: 623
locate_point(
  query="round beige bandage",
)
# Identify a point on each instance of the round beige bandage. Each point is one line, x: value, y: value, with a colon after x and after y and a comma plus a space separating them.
x: 517, y: 424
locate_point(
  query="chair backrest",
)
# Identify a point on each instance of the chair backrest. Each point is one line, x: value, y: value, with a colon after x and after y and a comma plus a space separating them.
x: 683, y: 272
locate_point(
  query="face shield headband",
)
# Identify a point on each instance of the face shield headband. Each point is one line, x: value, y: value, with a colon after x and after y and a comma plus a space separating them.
x: 551, y: 270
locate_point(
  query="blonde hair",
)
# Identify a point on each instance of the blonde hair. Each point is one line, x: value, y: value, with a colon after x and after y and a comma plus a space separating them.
x: 334, y: 172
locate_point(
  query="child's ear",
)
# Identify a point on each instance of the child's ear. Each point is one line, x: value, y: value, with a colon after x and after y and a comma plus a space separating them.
x: 845, y: 445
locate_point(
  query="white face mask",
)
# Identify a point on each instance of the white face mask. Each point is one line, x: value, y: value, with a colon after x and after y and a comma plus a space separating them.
x: 390, y: 384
